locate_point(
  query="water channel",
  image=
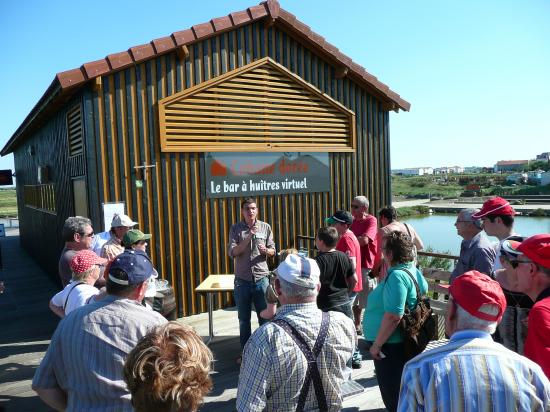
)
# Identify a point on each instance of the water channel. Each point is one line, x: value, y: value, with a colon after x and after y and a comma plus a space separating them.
x: 438, y: 230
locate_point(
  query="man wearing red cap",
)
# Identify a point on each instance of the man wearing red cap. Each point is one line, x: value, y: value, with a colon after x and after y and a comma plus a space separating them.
x: 497, y: 217
x: 472, y: 372
x: 533, y: 274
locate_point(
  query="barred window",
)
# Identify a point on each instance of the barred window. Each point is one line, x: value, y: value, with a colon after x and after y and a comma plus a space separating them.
x: 41, y: 197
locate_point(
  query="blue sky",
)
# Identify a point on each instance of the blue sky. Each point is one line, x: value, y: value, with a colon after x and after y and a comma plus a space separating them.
x: 477, y: 73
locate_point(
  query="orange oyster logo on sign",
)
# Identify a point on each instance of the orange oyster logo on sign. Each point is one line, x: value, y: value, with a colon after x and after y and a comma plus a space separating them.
x: 218, y: 168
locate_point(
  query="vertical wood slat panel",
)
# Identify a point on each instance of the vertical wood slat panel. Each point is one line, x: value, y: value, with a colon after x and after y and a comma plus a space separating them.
x: 193, y: 231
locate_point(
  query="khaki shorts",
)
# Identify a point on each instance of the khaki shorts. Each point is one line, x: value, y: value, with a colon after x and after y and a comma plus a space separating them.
x: 368, y: 285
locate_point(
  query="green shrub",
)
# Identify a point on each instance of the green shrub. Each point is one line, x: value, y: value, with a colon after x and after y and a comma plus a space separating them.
x: 538, y: 213
x: 435, y: 262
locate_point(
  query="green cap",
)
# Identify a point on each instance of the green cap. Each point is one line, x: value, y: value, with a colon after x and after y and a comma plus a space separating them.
x: 133, y: 235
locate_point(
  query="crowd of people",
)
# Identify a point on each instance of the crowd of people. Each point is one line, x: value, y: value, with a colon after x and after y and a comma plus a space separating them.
x: 111, y: 352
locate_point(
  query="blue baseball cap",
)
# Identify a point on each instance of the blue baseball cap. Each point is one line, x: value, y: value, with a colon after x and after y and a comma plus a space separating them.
x: 135, y: 264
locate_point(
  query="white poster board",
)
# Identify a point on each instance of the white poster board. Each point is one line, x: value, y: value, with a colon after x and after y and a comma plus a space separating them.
x: 109, y: 210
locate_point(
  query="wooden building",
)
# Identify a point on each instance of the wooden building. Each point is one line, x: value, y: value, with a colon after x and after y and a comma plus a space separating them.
x: 137, y: 126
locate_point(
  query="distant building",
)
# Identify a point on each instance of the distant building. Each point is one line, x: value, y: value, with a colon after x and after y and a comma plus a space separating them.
x: 517, y: 178
x: 448, y: 169
x: 472, y: 169
x: 511, y: 165
x: 413, y: 171
x: 545, y: 178
x: 535, y: 177
x: 545, y: 156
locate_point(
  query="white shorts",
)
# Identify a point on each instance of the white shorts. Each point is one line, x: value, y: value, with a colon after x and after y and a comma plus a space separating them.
x: 368, y: 285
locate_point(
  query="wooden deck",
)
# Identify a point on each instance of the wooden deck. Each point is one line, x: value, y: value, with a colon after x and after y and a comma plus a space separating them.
x: 27, y: 325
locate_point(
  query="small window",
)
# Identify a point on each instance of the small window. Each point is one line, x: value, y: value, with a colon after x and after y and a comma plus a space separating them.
x: 74, y: 131
x: 40, y: 197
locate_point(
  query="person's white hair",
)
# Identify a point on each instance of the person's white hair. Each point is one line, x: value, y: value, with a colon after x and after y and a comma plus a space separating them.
x: 362, y: 200
x: 466, y: 214
x: 464, y: 320
x: 295, y: 291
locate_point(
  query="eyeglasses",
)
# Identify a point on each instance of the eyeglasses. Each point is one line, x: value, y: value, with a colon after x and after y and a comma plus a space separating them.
x: 464, y: 221
x: 86, y: 234
x: 515, y: 262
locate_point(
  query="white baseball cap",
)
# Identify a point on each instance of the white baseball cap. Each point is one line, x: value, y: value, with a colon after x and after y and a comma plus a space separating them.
x: 300, y: 271
x: 122, y: 220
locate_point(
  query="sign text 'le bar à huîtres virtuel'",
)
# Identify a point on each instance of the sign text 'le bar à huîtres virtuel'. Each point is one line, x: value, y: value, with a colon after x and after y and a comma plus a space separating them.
x: 249, y: 174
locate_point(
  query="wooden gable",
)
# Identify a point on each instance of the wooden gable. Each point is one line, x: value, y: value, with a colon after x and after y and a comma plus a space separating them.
x: 259, y: 107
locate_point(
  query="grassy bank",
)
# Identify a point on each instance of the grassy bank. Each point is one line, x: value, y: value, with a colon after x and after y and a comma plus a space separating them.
x: 8, y: 203
x: 456, y: 185
x: 412, y: 211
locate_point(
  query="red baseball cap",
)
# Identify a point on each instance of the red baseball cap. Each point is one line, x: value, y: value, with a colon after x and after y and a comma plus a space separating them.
x: 495, y: 206
x: 537, y: 248
x: 472, y: 290
x: 84, y: 260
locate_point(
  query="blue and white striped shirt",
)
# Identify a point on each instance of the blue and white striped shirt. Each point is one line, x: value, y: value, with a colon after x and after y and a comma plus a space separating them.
x: 473, y: 373
x: 87, y: 353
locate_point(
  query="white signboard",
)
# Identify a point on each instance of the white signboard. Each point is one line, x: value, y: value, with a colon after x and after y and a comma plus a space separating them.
x: 109, y: 210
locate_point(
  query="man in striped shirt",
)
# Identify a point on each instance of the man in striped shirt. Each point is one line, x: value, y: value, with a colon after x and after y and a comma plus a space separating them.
x: 82, y: 369
x: 472, y: 372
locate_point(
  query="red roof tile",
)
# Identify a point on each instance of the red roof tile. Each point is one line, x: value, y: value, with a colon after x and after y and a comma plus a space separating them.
x: 120, y: 60
x: 240, y: 17
x: 183, y: 37
x: 273, y: 8
x: 203, y: 30
x: 511, y: 162
x: 97, y: 68
x: 163, y: 44
x: 222, y: 23
x: 143, y: 52
x: 269, y: 8
x: 257, y: 12
x: 70, y: 78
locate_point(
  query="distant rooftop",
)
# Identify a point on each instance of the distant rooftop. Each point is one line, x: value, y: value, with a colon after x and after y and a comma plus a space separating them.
x: 511, y: 162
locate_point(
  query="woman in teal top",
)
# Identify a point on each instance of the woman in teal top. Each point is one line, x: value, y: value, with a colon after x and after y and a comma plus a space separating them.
x: 385, y: 308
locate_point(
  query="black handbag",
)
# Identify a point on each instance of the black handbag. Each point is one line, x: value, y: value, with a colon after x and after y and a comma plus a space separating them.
x: 418, y: 325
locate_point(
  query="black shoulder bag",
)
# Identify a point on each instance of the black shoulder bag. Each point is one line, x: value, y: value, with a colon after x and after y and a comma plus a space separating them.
x: 418, y: 325
x: 69, y: 294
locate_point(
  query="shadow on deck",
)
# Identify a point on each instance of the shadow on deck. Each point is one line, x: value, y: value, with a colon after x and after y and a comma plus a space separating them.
x: 27, y: 325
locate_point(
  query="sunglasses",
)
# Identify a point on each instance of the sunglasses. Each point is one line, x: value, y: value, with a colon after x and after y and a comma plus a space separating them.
x: 515, y: 262
x: 86, y: 234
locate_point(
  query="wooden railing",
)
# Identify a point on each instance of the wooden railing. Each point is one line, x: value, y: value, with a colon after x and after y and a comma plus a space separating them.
x: 435, y: 276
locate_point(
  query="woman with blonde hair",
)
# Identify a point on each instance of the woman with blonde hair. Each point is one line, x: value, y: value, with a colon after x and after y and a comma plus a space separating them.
x: 168, y: 370
x: 86, y: 267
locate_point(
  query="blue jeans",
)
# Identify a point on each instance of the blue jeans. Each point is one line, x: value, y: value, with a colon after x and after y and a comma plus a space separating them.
x: 247, y: 292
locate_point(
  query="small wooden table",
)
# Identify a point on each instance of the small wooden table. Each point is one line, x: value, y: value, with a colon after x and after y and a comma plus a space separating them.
x: 214, y: 284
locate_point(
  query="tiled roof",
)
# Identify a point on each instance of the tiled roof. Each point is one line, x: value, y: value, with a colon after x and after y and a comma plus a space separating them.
x: 66, y: 83
x: 511, y: 162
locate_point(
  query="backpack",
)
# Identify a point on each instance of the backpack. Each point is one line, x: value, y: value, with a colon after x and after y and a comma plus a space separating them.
x: 418, y: 325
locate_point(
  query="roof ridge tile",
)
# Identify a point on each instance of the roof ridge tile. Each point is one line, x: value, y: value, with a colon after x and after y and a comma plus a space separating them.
x: 240, y: 17
x: 142, y: 52
x: 163, y: 44
x: 203, y: 29
x: 183, y: 37
x: 221, y: 23
x: 96, y: 68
